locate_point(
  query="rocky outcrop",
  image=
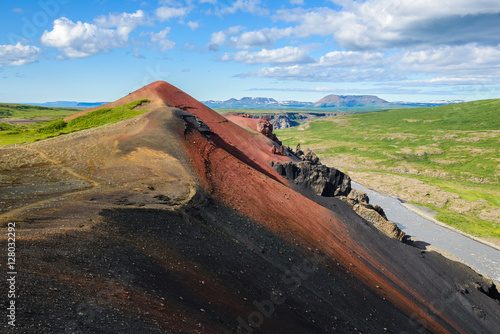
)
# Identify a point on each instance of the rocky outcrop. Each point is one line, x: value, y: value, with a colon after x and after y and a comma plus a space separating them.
x: 322, y: 180
x: 265, y: 127
x: 325, y: 181
x: 308, y: 155
x: 284, y: 122
x: 375, y: 215
x: 291, y: 119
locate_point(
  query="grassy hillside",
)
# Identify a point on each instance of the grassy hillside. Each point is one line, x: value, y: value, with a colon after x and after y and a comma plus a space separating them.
x: 31, y: 112
x: 12, y: 134
x: 452, y: 149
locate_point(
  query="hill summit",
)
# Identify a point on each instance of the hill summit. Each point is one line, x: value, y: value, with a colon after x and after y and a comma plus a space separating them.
x: 333, y: 100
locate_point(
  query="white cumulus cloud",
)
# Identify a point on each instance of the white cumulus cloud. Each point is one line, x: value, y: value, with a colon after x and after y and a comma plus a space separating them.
x: 264, y: 38
x: 124, y: 22
x: 285, y: 55
x: 19, y: 54
x: 218, y: 38
x: 165, y: 13
x: 81, y: 39
x: 309, y: 72
x: 248, y: 6
x: 161, y: 39
x: 462, y: 59
x: 193, y: 25
x: 352, y: 59
x: 376, y: 24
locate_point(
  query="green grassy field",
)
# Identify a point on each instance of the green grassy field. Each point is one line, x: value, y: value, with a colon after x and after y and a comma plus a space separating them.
x: 24, y: 111
x: 14, y: 134
x: 453, y: 147
x: 351, y: 110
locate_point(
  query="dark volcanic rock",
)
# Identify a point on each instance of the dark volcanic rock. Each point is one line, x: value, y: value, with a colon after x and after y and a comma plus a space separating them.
x: 322, y: 180
x: 308, y: 155
x: 330, y: 182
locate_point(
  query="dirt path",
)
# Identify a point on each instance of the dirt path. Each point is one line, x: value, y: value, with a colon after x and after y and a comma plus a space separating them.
x: 94, y: 183
x: 15, y: 212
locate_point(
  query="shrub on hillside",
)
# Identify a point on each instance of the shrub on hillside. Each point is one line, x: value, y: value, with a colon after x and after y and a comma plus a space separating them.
x: 53, y: 127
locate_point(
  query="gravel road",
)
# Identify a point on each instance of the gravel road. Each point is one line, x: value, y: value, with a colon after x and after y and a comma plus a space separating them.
x: 481, y: 257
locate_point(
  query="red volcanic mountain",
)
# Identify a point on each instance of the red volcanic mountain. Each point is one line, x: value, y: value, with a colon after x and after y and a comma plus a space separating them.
x: 175, y: 221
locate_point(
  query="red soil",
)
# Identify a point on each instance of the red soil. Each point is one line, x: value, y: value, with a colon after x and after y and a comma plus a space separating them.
x: 299, y: 220
x: 234, y: 166
x: 253, y: 147
x: 244, y: 122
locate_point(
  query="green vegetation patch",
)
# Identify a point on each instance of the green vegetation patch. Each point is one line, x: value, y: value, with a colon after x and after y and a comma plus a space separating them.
x: 6, y: 127
x: 52, y: 127
x: 106, y: 116
x: 454, y: 147
x: 103, y: 116
x: 461, y: 140
x: 30, y: 112
x: 471, y: 225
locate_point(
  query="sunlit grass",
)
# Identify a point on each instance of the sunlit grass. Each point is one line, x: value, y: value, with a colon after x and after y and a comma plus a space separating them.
x: 22, y: 134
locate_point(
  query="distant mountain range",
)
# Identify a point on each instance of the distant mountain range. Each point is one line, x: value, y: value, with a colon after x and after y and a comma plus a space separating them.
x: 255, y: 103
x: 332, y: 101
x: 349, y: 101
x: 69, y: 104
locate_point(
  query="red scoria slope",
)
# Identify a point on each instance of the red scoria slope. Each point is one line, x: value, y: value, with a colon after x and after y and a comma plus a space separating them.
x: 233, y: 257
x: 234, y: 166
x: 255, y: 149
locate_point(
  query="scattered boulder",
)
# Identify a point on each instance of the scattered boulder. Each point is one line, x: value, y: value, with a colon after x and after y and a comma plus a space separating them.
x: 310, y: 156
x: 373, y: 216
x: 358, y: 196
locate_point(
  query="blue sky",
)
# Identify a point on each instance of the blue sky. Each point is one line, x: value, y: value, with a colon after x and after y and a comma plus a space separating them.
x: 100, y: 50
